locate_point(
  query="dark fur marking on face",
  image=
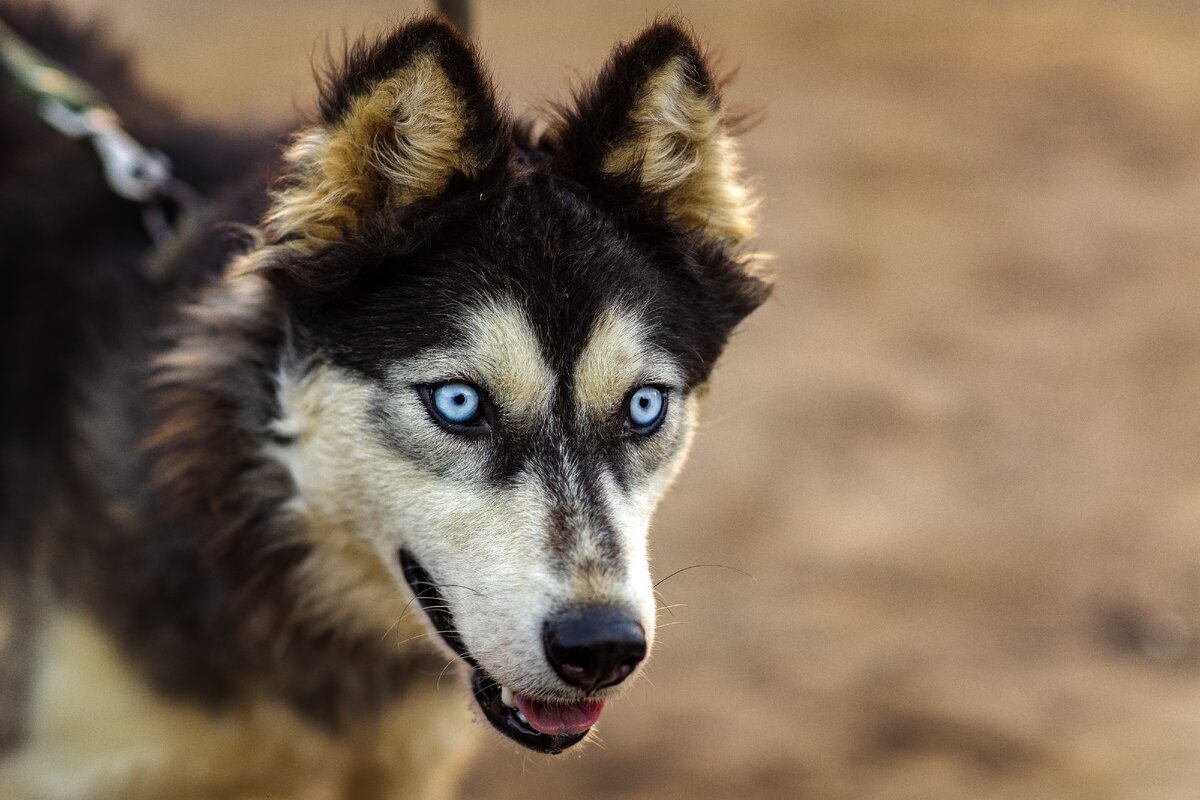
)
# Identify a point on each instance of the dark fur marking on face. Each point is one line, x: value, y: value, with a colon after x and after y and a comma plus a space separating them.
x: 568, y: 468
x: 539, y: 241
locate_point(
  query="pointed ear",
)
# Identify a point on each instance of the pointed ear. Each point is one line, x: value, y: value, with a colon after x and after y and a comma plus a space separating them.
x: 653, y: 117
x: 402, y: 119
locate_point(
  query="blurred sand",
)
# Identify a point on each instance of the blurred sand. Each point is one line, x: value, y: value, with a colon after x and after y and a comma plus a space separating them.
x: 958, y: 451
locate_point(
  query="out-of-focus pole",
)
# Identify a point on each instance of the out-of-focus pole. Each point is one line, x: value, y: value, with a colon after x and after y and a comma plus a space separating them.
x: 458, y: 12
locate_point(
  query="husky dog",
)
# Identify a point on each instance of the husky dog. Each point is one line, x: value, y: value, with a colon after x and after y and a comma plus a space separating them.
x: 408, y: 396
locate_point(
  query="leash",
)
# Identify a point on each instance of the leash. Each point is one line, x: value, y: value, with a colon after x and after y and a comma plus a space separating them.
x: 78, y: 111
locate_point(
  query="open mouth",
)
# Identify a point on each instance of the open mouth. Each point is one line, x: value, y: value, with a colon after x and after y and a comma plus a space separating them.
x: 544, y: 725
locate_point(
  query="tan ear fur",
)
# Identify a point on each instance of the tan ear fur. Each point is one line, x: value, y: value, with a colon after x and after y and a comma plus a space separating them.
x: 680, y: 149
x: 397, y: 144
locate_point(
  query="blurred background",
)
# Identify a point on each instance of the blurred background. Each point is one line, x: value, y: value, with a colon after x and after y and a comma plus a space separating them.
x: 958, y: 452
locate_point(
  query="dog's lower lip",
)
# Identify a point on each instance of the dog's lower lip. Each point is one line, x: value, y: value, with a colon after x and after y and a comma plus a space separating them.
x: 506, y: 718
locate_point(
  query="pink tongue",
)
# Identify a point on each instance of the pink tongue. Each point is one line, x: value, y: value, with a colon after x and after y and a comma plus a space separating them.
x: 559, y: 718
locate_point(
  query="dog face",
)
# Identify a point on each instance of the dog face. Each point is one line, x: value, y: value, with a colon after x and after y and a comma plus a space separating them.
x: 496, y: 351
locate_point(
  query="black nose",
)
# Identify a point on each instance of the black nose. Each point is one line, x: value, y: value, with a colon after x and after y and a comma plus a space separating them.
x: 594, y: 646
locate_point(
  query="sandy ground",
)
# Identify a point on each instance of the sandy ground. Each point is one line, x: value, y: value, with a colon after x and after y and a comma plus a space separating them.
x: 957, y: 452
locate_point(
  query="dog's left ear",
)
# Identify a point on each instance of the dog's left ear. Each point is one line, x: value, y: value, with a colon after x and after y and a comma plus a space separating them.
x: 404, y: 119
x: 653, y: 118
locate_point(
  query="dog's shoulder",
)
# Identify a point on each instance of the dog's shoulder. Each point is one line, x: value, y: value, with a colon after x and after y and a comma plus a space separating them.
x: 156, y: 747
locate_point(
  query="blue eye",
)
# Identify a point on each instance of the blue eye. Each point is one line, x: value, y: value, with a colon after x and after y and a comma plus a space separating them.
x: 456, y: 402
x: 646, y: 407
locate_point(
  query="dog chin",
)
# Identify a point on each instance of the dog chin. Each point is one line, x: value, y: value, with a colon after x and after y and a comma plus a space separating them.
x: 543, y: 724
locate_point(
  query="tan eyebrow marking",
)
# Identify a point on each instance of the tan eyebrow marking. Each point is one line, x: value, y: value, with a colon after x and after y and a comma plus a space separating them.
x: 618, y: 354
x: 502, y: 352
x: 504, y: 349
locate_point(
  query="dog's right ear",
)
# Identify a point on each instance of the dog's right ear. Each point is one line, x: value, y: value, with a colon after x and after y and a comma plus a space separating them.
x: 403, y: 119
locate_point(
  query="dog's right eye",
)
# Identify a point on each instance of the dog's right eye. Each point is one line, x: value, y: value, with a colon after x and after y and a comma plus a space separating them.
x: 457, y: 406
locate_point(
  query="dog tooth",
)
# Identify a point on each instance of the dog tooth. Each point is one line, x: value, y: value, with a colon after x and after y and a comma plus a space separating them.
x: 506, y: 697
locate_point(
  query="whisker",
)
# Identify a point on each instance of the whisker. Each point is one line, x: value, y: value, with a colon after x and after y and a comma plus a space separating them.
x: 475, y: 592
x: 416, y: 636
x: 416, y: 596
x: 661, y: 581
x: 673, y: 622
x: 665, y: 605
x: 393, y: 627
x: 438, y: 607
x: 449, y: 664
x: 423, y: 635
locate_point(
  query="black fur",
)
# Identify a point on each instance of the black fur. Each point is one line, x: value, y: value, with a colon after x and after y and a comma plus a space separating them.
x: 162, y: 515
x: 72, y: 295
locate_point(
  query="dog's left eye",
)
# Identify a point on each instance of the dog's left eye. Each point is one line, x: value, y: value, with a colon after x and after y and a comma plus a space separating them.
x: 646, y: 409
x: 457, y: 406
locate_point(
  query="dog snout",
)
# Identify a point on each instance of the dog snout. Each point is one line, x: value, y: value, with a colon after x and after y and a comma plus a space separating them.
x: 594, y: 647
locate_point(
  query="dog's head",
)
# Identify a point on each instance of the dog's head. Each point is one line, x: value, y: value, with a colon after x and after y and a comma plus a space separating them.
x: 497, y: 348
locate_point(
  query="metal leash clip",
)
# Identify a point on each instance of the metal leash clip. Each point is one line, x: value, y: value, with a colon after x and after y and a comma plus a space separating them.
x: 132, y: 171
x: 75, y: 109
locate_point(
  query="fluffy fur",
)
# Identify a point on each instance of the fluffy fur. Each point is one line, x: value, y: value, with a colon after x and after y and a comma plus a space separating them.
x: 222, y: 480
